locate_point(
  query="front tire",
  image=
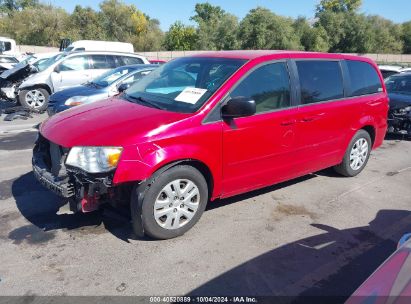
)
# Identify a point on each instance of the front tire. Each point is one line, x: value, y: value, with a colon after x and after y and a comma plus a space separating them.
x: 170, y: 203
x: 356, y: 156
x: 34, y: 99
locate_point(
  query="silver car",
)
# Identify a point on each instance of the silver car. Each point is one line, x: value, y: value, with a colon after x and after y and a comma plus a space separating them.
x: 70, y: 69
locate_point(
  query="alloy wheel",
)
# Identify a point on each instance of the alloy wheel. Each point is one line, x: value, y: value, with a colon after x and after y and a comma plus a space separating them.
x: 35, y: 99
x: 358, y: 154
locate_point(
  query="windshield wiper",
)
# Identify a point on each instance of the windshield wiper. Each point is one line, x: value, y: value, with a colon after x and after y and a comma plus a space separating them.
x: 143, y: 100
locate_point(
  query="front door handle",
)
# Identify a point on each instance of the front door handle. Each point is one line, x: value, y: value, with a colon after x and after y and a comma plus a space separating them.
x: 288, y: 122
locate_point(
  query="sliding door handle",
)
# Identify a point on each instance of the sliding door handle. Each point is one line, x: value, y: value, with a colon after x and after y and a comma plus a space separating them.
x: 288, y: 122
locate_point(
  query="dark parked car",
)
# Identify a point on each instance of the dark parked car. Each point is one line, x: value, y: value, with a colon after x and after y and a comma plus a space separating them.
x: 107, y: 85
x: 399, y: 92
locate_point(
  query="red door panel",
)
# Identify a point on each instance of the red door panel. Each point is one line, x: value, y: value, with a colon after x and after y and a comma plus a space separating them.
x: 258, y: 151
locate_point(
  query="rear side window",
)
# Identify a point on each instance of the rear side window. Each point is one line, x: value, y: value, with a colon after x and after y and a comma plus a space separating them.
x: 111, y: 60
x: 320, y: 80
x: 7, y: 46
x: 100, y: 62
x: 268, y: 85
x: 364, y: 78
x: 131, y: 60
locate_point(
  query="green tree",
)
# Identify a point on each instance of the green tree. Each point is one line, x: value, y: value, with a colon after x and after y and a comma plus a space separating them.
x: 152, y: 39
x: 205, y: 12
x: 348, y: 32
x: 122, y: 22
x: 216, y: 29
x: 180, y: 37
x: 86, y: 24
x: 406, y: 37
x: 10, y: 6
x: 338, y: 6
x: 311, y: 38
x: 41, y: 25
x: 385, y: 36
x: 262, y: 29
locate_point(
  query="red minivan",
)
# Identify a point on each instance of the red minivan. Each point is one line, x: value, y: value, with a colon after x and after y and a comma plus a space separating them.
x: 210, y: 126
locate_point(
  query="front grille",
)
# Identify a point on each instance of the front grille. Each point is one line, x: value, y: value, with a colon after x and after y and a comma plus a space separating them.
x: 49, y: 166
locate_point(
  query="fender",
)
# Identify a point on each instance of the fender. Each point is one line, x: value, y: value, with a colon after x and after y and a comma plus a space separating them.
x: 40, y: 85
x: 365, y: 122
x: 140, y: 163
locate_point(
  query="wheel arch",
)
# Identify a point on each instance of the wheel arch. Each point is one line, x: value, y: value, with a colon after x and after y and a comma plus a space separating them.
x: 197, y: 164
x: 41, y: 86
x: 370, y: 129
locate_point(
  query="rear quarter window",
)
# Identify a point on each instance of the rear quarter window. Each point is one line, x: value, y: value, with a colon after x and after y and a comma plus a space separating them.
x: 132, y: 60
x: 320, y: 80
x: 364, y: 78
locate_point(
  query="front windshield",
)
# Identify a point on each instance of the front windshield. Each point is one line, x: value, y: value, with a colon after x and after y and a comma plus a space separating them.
x: 111, y: 76
x: 184, y: 84
x: 400, y: 84
x: 50, y: 61
x: 26, y: 61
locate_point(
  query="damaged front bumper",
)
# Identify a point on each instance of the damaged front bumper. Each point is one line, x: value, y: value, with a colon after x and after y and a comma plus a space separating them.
x: 399, y: 121
x: 9, y: 93
x: 85, y: 191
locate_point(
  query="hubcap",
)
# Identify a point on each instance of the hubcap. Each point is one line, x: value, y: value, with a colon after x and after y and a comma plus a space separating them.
x: 35, y: 99
x: 359, y: 153
x: 176, y: 204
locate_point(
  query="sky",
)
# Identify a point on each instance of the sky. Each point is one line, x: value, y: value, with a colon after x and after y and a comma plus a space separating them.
x: 169, y: 11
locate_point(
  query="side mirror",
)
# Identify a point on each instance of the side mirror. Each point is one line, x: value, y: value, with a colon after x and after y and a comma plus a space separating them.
x: 122, y: 87
x: 57, y: 69
x: 238, y: 107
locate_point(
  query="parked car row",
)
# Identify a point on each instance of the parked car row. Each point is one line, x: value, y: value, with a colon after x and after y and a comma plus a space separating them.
x: 389, y: 70
x: 399, y: 116
x: 108, y: 84
x: 31, y: 83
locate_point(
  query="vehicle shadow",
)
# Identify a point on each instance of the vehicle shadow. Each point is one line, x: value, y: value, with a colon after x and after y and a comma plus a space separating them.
x: 234, y: 199
x: 41, y: 208
x: 325, y: 268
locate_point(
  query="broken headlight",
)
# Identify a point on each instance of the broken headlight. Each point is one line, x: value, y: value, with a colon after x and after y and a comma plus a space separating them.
x: 76, y: 101
x: 94, y: 159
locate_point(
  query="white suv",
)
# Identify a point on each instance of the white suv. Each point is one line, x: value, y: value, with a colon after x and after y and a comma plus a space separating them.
x: 69, y: 69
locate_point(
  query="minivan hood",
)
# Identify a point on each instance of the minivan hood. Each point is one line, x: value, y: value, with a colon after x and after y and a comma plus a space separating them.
x: 111, y: 122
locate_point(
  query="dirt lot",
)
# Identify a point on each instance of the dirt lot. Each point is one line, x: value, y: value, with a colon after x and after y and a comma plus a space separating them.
x: 317, y: 235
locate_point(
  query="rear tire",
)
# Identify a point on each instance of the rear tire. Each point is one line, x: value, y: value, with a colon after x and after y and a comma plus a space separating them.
x: 170, y: 203
x: 34, y: 99
x: 356, y: 156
